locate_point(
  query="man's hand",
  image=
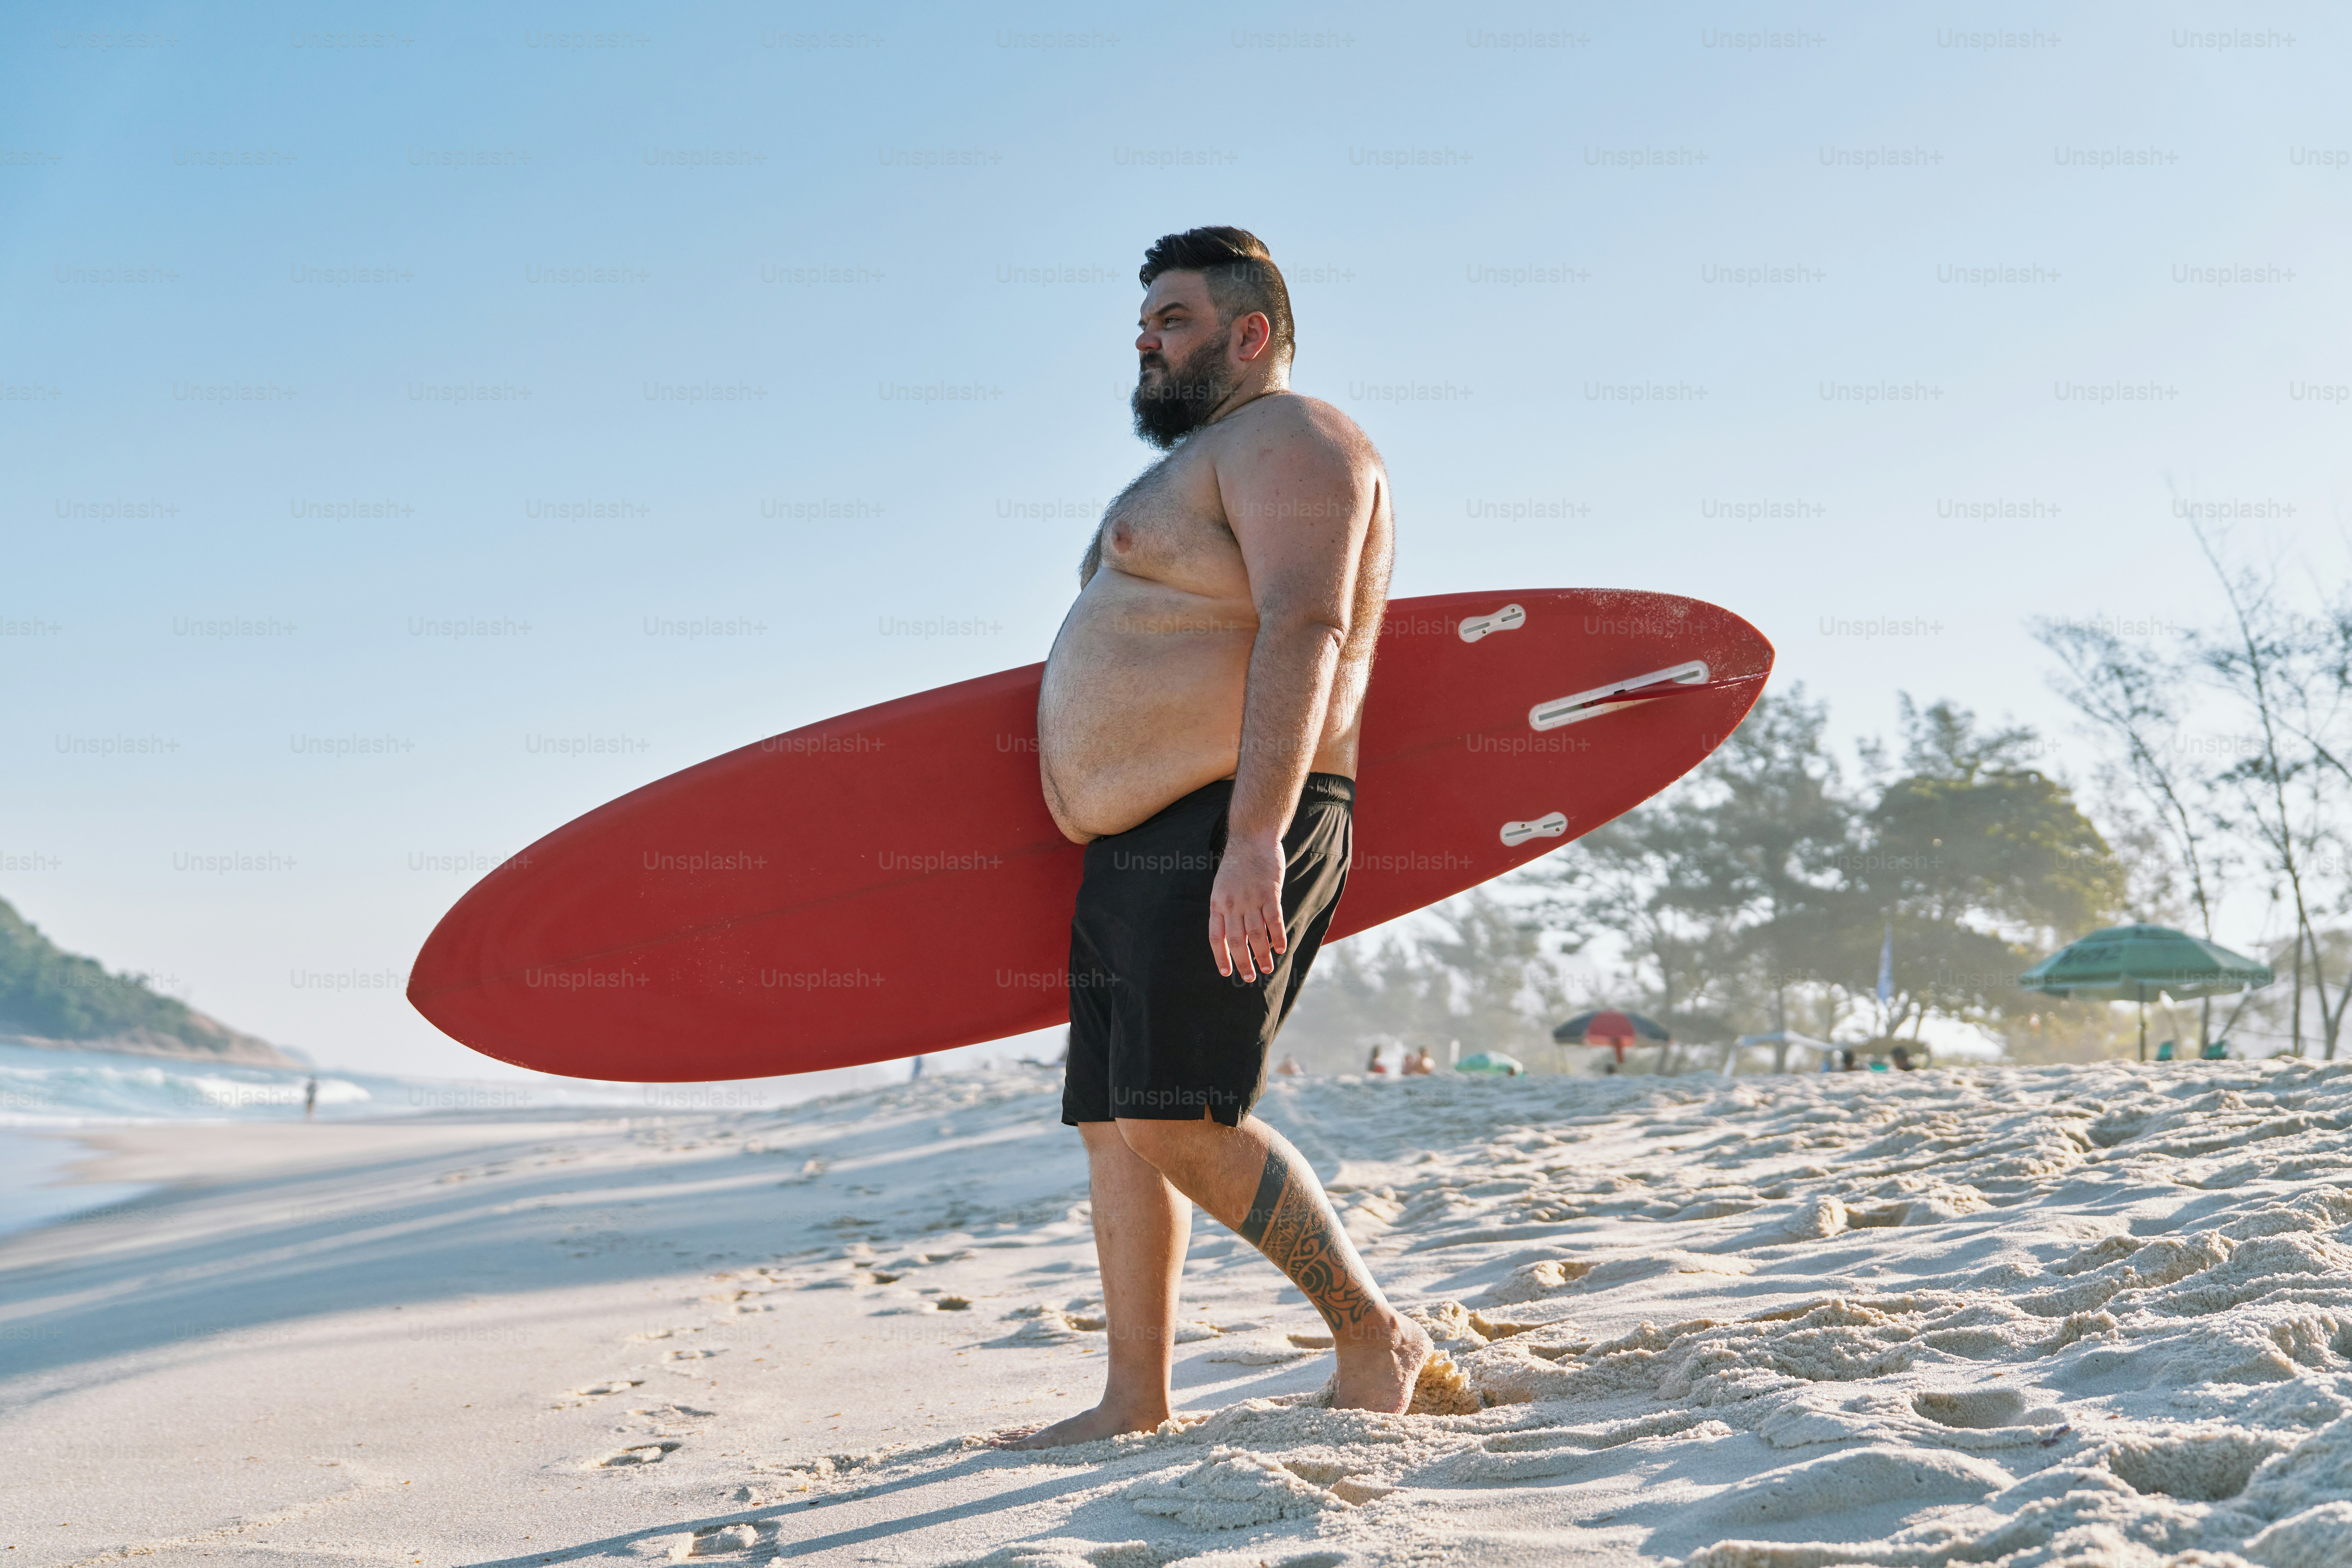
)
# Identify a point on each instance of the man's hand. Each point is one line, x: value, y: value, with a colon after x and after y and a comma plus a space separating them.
x: 1245, y: 907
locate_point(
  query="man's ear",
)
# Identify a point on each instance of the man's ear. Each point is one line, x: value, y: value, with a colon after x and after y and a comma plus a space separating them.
x: 1253, y: 335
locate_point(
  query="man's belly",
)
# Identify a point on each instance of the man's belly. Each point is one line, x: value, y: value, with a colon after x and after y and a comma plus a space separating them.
x: 1142, y: 703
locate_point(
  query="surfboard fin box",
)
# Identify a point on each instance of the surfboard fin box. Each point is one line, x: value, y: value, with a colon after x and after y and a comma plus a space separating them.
x: 1510, y: 617
x: 1578, y: 706
x: 1553, y: 826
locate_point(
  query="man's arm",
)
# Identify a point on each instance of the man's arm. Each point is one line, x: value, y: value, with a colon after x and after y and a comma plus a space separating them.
x: 1299, y: 499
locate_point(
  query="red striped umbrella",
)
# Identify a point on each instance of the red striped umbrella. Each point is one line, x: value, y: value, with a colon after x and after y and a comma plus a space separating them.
x: 1611, y: 1026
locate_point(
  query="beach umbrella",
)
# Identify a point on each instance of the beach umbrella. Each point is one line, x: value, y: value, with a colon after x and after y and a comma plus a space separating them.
x: 1613, y: 1027
x: 1490, y: 1064
x: 2142, y: 963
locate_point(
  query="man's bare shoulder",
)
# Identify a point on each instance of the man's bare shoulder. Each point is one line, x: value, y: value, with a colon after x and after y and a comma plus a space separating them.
x: 1293, y: 417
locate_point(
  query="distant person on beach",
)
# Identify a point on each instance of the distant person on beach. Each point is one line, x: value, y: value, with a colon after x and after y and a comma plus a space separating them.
x: 1197, y: 731
x: 310, y: 1100
x: 1377, y: 1063
x: 1290, y: 1067
x: 1420, y: 1064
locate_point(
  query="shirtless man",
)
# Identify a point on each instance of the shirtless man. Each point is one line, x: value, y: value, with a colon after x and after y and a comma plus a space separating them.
x: 1197, y: 731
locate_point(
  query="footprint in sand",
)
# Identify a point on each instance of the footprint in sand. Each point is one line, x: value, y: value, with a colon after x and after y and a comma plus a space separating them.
x: 664, y: 1420
x: 642, y: 1454
x: 1534, y: 1281
x: 1051, y: 1325
x: 691, y: 1354
x: 714, y: 1540
x: 1233, y: 1488
x: 610, y: 1385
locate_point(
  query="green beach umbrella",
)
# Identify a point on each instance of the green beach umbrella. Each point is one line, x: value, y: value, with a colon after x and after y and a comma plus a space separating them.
x: 1490, y: 1064
x: 2142, y: 963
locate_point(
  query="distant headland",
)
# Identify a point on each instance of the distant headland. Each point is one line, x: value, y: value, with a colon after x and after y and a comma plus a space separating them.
x: 59, y: 1001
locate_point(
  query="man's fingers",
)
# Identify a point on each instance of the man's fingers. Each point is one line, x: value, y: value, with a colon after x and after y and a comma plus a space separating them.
x: 1247, y: 940
x: 1245, y: 931
x: 1263, y: 941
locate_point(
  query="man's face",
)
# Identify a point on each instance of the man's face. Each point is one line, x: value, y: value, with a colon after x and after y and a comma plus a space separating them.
x: 1183, y: 374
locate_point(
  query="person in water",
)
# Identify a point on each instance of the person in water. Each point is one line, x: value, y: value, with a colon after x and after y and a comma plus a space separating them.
x: 1197, y: 728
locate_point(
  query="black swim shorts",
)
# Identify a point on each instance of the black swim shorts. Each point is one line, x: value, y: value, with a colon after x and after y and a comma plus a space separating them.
x: 1155, y: 1031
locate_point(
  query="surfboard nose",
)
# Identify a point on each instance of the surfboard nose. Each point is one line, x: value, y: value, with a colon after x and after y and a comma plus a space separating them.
x: 453, y: 962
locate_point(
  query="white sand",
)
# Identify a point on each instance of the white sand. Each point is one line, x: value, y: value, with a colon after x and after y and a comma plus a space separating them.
x: 2057, y: 1316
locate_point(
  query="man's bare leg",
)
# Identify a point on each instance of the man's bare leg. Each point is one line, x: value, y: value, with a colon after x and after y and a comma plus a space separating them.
x: 1142, y: 1226
x: 1252, y: 1180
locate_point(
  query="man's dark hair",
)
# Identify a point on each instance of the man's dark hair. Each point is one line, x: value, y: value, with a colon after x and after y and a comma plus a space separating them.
x: 1241, y: 274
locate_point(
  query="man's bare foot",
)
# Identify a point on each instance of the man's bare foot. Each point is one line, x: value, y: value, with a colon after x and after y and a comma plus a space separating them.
x: 1379, y: 1365
x: 1105, y: 1420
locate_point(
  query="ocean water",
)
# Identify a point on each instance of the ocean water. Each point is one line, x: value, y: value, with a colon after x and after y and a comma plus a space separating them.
x: 30, y: 1192
x: 47, y: 1096
x: 60, y: 1090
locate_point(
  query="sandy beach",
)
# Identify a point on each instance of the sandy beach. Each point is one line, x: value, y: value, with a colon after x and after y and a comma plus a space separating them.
x: 2095, y: 1315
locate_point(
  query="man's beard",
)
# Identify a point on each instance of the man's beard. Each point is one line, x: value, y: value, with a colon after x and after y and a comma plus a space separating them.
x: 1185, y: 397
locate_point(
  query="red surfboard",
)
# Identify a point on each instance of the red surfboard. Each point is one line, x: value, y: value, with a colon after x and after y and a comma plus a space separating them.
x: 888, y: 882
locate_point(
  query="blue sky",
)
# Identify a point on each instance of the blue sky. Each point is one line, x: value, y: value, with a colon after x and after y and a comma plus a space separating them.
x: 672, y: 358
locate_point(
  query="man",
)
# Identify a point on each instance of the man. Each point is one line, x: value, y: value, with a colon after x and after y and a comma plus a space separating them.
x: 1198, y: 732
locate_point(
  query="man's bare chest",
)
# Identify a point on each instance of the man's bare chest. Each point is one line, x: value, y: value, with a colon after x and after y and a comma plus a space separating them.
x: 1170, y: 525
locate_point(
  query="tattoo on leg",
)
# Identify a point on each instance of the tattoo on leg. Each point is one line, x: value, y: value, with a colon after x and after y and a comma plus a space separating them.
x: 1290, y: 1223
x: 1270, y: 1184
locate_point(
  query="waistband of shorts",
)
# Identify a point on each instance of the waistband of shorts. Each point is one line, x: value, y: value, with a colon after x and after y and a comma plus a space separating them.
x: 1320, y: 789
x: 1336, y: 787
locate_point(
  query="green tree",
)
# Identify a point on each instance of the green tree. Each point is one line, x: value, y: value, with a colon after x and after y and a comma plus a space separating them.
x: 1754, y: 895
x: 1724, y: 894
x: 1636, y: 879
x: 1977, y: 861
x: 1776, y: 838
